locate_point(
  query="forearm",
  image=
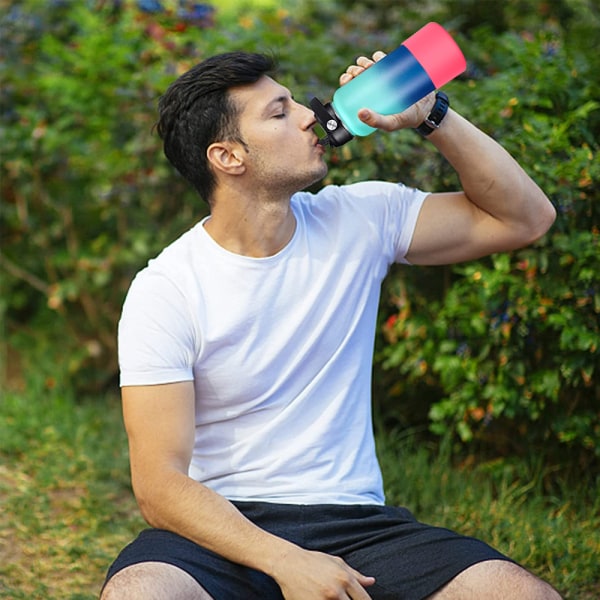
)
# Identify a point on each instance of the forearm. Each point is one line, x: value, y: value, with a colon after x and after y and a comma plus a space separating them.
x: 491, y: 179
x: 184, y: 506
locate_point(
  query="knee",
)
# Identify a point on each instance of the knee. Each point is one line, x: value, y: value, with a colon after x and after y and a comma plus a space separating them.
x: 152, y: 581
x: 533, y: 587
x: 548, y: 592
x: 124, y: 584
x: 498, y: 579
x: 523, y: 585
x: 107, y: 592
x: 110, y: 591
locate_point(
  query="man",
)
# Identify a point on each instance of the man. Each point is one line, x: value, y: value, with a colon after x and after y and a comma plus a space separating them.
x: 246, y: 347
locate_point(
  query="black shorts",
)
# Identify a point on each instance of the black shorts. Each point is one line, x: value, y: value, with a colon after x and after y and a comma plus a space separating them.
x: 408, y: 559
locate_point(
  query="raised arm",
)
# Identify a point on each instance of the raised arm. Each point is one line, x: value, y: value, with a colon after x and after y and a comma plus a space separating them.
x: 499, y: 207
x: 160, y: 426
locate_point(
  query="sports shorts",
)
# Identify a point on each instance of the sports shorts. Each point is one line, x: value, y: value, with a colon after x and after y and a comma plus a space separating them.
x: 409, y: 560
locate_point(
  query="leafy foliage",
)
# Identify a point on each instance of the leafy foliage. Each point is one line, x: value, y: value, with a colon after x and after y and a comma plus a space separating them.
x: 512, y: 342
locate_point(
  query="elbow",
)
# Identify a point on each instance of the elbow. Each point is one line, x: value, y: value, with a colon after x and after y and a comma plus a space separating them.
x: 539, y: 218
x: 147, y: 503
x: 152, y: 500
x: 545, y: 216
x: 148, y: 512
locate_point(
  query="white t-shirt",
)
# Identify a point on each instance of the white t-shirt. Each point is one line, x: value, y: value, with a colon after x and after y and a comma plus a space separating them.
x: 279, y: 348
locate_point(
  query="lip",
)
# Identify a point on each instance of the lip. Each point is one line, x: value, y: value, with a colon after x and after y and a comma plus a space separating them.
x: 317, y: 144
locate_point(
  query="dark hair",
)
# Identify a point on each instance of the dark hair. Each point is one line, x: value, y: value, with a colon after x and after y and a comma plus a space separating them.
x: 196, y: 111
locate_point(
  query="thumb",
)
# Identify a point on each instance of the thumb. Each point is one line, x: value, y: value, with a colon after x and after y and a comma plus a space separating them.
x: 378, y: 121
x: 367, y: 116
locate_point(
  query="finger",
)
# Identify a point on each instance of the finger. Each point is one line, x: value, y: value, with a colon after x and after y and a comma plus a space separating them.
x: 364, y: 62
x: 362, y: 581
x: 370, y: 117
x: 384, y: 122
x: 358, y: 592
x: 345, y: 78
x: 355, y: 70
x: 351, y: 72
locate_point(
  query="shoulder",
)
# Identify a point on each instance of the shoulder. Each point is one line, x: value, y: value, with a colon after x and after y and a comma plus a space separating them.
x: 166, y: 287
x: 174, y: 255
x: 381, y: 212
x: 172, y: 263
x: 361, y: 192
x: 368, y: 199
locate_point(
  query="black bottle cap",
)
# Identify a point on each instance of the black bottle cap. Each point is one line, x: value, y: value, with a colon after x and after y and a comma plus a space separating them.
x: 335, y: 132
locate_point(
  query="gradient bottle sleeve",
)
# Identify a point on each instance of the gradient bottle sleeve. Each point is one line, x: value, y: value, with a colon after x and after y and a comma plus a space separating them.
x: 426, y: 61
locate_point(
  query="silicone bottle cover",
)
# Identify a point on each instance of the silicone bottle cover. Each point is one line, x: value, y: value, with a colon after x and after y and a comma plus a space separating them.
x: 437, y: 52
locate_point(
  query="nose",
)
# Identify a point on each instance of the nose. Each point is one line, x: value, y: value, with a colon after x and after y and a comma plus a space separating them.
x: 307, y: 116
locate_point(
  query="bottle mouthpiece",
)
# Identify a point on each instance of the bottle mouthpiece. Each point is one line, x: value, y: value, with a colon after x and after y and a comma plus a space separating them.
x: 335, y: 132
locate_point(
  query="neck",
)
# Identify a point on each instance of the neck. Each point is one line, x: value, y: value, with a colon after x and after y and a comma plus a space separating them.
x: 251, y: 224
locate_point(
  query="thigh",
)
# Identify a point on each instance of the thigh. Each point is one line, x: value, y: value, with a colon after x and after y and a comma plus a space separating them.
x: 220, y: 578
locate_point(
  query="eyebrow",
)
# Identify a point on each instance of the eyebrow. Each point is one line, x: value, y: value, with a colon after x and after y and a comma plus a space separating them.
x: 283, y: 99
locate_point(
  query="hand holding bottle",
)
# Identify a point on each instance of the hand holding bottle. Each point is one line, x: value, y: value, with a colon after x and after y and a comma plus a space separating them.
x: 407, y: 119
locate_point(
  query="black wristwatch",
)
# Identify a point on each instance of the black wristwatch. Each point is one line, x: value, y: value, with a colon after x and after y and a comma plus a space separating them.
x: 436, y: 116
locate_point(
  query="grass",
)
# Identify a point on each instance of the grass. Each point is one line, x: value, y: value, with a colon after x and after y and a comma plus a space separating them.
x: 66, y: 502
x: 554, y: 534
x: 67, y: 508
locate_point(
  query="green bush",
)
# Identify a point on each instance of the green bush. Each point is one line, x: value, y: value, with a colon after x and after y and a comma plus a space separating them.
x: 511, y: 344
x: 86, y: 196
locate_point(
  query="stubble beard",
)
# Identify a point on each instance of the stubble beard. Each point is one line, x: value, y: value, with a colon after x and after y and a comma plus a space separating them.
x: 285, y: 183
x: 290, y: 183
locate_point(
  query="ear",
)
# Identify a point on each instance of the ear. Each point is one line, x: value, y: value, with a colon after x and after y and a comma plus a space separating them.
x: 226, y: 157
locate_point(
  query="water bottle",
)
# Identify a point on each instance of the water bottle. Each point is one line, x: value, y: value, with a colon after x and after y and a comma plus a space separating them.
x: 426, y: 61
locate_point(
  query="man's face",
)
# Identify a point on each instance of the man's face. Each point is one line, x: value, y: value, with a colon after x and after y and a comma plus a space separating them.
x: 283, y: 154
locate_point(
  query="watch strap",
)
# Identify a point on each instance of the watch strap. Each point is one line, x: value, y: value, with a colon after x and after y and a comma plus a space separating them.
x: 436, y: 116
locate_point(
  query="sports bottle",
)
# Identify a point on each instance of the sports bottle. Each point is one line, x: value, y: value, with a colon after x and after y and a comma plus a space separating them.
x: 426, y: 61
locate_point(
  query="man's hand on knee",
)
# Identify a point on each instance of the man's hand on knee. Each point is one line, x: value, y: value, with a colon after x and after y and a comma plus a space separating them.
x: 303, y: 574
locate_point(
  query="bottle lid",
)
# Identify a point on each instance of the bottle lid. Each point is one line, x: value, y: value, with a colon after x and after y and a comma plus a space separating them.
x: 437, y: 52
x: 335, y: 132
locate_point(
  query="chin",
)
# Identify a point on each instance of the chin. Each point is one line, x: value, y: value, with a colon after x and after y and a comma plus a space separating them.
x: 316, y: 179
x: 309, y: 178
x: 322, y: 172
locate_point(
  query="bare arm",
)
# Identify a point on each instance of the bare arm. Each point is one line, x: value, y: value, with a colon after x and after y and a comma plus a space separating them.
x: 160, y: 426
x: 499, y: 207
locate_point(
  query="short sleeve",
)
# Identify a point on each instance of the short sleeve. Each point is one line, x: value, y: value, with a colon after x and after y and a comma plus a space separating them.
x: 155, y: 335
x: 392, y: 209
